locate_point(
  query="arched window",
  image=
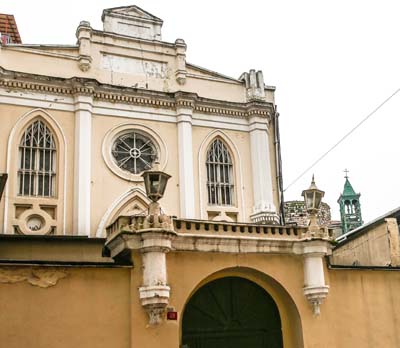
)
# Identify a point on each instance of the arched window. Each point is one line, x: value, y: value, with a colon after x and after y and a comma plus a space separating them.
x: 220, y: 186
x: 37, y: 161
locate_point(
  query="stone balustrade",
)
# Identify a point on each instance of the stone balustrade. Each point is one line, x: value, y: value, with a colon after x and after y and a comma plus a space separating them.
x: 205, y: 227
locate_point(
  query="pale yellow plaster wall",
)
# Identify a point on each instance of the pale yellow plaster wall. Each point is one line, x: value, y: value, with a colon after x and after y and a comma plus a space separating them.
x: 89, y: 308
x: 36, y: 61
x: 362, y: 310
x: 188, y: 270
x: 378, y: 246
x: 101, y: 308
x: 108, y: 187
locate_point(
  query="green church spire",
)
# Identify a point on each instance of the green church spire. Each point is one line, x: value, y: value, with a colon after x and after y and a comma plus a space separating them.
x: 350, y: 209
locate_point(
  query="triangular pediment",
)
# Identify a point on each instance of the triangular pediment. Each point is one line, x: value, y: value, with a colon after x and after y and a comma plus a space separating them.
x: 200, y: 72
x: 132, y: 21
x: 132, y: 11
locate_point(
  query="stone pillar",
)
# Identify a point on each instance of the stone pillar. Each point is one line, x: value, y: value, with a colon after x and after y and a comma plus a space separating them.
x: 315, y: 289
x: 152, y: 237
x: 184, y: 111
x: 154, y: 293
x: 264, y: 210
x: 83, y: 160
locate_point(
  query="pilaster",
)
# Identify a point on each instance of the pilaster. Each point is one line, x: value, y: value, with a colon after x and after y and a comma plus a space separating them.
x: 83, y: 159
x: 184, y: 113
x: 264, y: 210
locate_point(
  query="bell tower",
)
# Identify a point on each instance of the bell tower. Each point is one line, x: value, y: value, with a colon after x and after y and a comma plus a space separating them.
x: 350, y: 209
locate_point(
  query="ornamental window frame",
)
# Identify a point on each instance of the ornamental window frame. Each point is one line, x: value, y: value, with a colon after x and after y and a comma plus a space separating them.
x: 125, y: 128
x: 37, y: 161
x: 22, y: 212
x: 220, y: 174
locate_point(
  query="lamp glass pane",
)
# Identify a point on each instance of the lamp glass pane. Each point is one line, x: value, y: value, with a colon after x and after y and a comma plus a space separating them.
x: 318, y: 198
x: 154, y: 183
x: 309, y: 199
x: 163, y: 184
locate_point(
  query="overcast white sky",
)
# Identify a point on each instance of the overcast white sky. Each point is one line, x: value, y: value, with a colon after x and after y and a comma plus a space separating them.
x: 332, y: 62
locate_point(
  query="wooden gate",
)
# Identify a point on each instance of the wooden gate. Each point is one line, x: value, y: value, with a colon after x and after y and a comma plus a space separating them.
x: 231, y: 312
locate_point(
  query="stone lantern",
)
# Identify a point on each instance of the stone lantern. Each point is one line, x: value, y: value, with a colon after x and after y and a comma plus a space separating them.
x: 315, y: 248
x: 155, y: 183
x: 312, y: 200
x: 151, y: 236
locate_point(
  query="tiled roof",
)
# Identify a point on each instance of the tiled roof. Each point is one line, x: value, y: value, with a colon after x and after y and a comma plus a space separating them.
x: 9, y: 27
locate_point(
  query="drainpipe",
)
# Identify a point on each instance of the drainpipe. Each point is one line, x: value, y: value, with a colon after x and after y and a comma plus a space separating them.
x: 278, y: 158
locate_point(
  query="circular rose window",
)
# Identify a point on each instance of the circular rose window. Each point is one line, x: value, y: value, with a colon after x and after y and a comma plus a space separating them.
x: 134, y: 152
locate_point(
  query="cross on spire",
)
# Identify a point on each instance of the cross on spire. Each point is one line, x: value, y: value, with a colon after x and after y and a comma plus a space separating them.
x: 346, y: 171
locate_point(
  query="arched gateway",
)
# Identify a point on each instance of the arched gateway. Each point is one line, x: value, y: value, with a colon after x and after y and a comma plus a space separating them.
x: 231, y: 312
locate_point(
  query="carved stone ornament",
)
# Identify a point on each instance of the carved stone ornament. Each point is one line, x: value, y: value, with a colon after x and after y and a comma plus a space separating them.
x: 315, y: 295
x: 41, y: 277
x: 154, y: 300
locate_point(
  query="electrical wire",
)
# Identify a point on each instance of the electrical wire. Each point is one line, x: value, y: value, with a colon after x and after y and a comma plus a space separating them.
x: 342, y: 139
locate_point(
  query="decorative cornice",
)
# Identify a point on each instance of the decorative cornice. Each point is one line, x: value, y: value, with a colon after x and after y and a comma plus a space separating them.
x: 115, y: 94
x: 130, y: 99
x: 35, y: 87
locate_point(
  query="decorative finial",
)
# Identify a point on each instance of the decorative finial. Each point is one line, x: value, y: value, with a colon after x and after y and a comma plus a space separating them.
x: 346, y: 171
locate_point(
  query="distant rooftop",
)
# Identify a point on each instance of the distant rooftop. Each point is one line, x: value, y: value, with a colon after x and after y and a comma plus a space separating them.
x: 9, y: 30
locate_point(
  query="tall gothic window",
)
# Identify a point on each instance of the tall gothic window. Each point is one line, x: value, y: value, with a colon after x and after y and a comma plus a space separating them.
x: 219, y: 175
x: 37, y: 161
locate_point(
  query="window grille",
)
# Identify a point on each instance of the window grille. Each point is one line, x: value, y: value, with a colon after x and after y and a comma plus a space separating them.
x: 37, y: 161
x: 134, y: 152
x: 219, y: 175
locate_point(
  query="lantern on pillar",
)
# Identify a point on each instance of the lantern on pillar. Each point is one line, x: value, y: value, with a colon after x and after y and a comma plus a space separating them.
x: 312, y: 197
x: 312, y: 200
x: 155, y: 182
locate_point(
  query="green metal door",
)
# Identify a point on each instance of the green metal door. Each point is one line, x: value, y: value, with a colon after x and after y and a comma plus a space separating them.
x: 231, y: 312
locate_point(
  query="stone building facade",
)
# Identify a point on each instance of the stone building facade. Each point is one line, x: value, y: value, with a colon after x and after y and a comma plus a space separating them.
x: 87, y: 260
x: 103, y: 110
x: 296, y: 213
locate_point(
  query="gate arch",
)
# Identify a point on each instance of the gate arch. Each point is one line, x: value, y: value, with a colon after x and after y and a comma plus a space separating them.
x: 231, y: 312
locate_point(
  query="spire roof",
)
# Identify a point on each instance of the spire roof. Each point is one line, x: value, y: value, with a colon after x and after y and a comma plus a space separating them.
x: 348, y: 189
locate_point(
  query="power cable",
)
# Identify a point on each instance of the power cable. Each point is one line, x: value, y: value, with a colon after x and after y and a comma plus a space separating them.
x: 342, y: 138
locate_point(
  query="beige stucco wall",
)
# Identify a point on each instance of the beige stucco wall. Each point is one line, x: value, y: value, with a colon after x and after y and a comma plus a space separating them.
x: 362, y: 309
x: 99, y: 307
x: 377, y: 246
x: 88, y: 308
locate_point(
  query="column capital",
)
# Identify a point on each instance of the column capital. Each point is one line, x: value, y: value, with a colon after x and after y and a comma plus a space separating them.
x: 185, y: 102
x: 316, y: 248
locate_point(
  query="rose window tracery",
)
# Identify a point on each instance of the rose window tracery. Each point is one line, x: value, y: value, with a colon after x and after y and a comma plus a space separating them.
x: 134, y: 152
